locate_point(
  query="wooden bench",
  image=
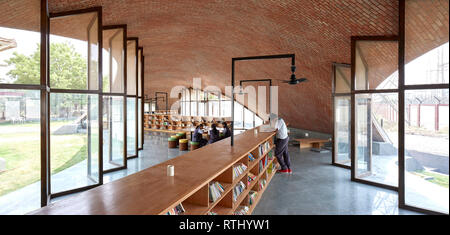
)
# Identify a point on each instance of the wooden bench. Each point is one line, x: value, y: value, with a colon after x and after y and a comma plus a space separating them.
x: 311, y: 143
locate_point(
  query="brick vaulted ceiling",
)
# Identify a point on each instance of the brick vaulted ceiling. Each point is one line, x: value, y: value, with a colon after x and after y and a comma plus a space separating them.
x: 187, y: 39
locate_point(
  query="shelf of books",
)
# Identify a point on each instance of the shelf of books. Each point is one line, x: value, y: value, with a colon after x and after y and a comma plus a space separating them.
x: 237, y: 189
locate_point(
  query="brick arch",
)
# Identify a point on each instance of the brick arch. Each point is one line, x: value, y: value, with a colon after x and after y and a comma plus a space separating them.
x: 187, y: 39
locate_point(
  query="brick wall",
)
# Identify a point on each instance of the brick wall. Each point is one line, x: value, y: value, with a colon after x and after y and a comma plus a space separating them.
x: 186, y: 39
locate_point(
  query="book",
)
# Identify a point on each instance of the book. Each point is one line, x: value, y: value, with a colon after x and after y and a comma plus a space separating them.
x: 215, y: 191
x: 238, y: 189
x: 251, y: 178
x: 251, y: 158
x: 241, y: 210
x: 252, y: 197
x: 262, y: 183
x: 238, y: 170
x: 178, y: 210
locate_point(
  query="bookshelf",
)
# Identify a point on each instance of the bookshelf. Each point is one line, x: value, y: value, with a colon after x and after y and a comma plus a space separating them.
x: 151, y: 191
x: 169, y: 122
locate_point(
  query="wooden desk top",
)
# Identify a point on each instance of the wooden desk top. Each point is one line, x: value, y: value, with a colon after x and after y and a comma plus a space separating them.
x: 151, y: 191
x: 312, y: 140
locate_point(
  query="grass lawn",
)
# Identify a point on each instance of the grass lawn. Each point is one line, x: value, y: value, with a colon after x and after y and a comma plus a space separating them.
x: 439, y: 179
x: 20, y: 147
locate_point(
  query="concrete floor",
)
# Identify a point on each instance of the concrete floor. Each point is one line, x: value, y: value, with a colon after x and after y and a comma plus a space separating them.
x: 316, y: 187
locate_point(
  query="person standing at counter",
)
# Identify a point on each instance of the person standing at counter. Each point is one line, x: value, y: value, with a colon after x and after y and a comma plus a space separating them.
x: 198, y: 136
x: 281, y: 143
x: 226, y: 130
x: 213, y: 134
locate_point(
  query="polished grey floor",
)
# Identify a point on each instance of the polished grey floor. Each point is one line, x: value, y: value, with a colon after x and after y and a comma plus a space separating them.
x: 318, y: 188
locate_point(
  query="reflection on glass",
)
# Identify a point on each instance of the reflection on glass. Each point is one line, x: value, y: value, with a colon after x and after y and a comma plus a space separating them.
x: 74, y: 142
x: 427, y: 149
x: 375, y: 65
x: 113, y: 132
x: 131, y: 67
x: 238, y: 116
x: 19, y: 151
x: 342, y: 76
x: 342, y: 129
x: 131, y: 127
x: 113, y: 61
x: 376, y: 137
x: 248, y: 119
x: 74, y: 56
x: 139, y: 123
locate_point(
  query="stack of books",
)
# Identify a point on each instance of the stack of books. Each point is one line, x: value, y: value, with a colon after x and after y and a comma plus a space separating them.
x: 252, y: 196
x: 270, y: 168
x: 262, y: 183
x: 241, y: 210
x: 251, y: 178
x: 262, y: 164
x: 238, y: 170
x: 251, y: 158
x: 270, y: 155
x: 264, y: 148
x: 240, y: 187
x: 178, y: 210
x: 215, y: 191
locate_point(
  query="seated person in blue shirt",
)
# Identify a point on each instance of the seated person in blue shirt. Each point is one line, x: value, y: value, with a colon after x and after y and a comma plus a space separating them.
x: 226, y: 130
x: 198, y: 136
x: 213, y: 134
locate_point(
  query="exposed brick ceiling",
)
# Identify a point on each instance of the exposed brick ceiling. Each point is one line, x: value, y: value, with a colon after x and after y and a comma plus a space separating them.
x: 187, y: 39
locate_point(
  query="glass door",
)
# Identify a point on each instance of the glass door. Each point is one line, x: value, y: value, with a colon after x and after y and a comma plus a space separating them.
x: 341, y: 115
x: 75, y: 103
x: 375, y: 111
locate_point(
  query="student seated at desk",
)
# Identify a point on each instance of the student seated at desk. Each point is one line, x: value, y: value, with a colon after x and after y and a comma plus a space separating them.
x: 198, y: 136
x: 213, y: 134
x: 226, y: 130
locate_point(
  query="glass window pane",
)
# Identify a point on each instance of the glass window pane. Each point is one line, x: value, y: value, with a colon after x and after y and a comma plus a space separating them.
x: 20, y: 41
x: 427, y: 149
x: 113, y: 132
x: 131, y: 126
x: 376, y: 65
x: 193, y: 108
x: 226, y: 108
x: 426, y: 42
x: 73, y: 141
x: 139, y: 73
x: 20, y: 165
x: 376, y: 137
x: 140, y: 123
x: 342, y: 130
x: 238, y: 116
x: 131, y: 67
x: 248, y: 119
x: 342, y: 78
x: 113, y: 61
x: 74, y: 52
x: 258, y: 121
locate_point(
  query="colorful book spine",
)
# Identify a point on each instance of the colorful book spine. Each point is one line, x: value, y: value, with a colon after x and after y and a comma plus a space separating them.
x: 251, y: 178
x: 215, y: 191
x: 178, y: 210
x: 262, y: 183
x: 251, y: 157
x: 239, y: 170
x: 238, y: 189
x: 241, y: 210
x: 252, y: 197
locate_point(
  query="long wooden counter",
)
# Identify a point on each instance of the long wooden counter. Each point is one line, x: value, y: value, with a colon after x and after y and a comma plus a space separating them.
x: 151, y: 191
